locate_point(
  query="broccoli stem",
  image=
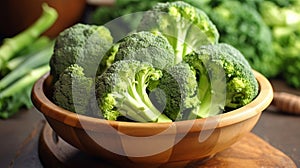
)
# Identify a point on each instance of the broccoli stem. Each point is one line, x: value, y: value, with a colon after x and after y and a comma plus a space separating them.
x: 13, y: 45
x: 139, y: 108
x: 204, y: 93
x: 24, y: 82
x: 137, y: 105
x: 36, y: 59
x: 153, y: 113
x: 132, y: 113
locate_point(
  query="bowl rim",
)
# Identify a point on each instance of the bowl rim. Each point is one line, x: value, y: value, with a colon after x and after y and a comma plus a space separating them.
x: 254, y: 108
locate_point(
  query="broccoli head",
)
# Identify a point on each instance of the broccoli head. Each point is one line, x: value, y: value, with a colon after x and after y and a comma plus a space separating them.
x: 72, y: 90
x: 151, y: 47
x: 184, y: 25
x: 121, y: 91
x: 222, y: 69
x: 80, y: 44
x: 176, y: 93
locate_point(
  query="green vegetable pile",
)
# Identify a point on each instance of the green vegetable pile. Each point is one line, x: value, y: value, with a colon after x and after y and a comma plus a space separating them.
x: 265, y: 31
x: 23, y: 59
x: 283, y: 18
x: 171, y: 68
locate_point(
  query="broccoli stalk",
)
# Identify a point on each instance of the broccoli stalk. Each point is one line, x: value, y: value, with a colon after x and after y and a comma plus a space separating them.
x: 122, y: 91
x: 13, y: 45
x: 18, y: 94
x: 36, y: 59
x: 26, y: 53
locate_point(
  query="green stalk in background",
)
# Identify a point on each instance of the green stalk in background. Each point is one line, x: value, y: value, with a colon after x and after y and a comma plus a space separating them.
x: 36, y: 59
x: 13, y: 45
x: 27, y: 52
x: 18, y: 94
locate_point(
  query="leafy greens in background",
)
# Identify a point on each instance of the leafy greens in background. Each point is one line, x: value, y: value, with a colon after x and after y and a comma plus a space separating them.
x: 23, y: 59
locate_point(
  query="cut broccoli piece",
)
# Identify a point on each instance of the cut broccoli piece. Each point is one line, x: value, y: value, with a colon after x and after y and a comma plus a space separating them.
x: 222, y: 69
x: 72, y: 90
x: 176, y: 93
x: 122, y: 91
x: 80, y: 44
x: 184, y: 25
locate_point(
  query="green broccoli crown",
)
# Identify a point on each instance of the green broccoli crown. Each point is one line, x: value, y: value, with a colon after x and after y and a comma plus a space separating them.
x: 241, y: 86
x: 151, y: 47
x: 72, y: 90
x: 176, y: 93
x: 184, y: 25
x: 122, y: 91
x: 80, y: 44
x: 194, y: 15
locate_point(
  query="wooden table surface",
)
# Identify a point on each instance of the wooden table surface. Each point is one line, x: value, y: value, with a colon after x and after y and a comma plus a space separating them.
x: 19, y: 134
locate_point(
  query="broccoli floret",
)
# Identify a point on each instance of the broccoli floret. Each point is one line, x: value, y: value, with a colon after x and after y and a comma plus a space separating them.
x: 184, y: 25
x: 217, y: 66
x: 176, y: 93
x: 151, y: 47
x: 122, y: 91
x: 80, y: 44
x: 72, y: 90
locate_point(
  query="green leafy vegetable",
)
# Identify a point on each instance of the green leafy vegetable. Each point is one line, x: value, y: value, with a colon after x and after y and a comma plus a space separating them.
x: 284, y: 21
x: 18, y: 94
x: 23, y: 59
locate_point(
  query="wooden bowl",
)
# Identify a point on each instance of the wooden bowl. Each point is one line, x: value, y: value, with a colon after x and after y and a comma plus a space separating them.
x: 131, y: 143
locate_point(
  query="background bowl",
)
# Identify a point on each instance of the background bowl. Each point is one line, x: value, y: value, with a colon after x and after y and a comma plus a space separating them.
x: 16, y: 15
x: 134, y: 143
